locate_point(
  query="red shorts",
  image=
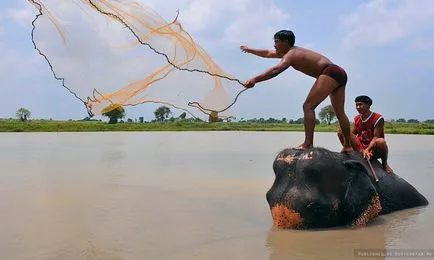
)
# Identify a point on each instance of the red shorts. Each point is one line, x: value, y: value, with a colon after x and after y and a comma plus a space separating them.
x: 337, y: 73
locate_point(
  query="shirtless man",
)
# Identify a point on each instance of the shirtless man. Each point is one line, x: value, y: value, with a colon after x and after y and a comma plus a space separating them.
x: 367, y: 133
x: 330, y: 81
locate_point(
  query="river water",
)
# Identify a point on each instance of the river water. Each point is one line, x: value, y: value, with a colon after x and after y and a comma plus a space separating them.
x: 183, y: 195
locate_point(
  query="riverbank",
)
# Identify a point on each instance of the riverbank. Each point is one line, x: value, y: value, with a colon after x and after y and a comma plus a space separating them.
x: 11, y: 125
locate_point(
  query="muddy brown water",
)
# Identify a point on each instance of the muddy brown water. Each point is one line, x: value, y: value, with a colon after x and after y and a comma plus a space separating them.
x: 183, y: 195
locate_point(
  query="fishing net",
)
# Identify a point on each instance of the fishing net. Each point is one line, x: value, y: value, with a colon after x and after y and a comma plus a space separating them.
x: 121, y: 52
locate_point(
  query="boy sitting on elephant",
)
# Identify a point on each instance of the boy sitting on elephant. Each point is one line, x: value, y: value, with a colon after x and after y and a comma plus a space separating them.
x: 367, y: 133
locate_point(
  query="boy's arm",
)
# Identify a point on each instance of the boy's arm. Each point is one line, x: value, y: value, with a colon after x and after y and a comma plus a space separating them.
x: 260, y: 53
x: 378, y: 133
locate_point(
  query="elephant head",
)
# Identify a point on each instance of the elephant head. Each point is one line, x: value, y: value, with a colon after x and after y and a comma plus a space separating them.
x: 317, y: 188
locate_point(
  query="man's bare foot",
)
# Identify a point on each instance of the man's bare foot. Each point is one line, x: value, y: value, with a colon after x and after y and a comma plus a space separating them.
x: 387, y: 168
x: 303, y: 146
x: 347, y: 149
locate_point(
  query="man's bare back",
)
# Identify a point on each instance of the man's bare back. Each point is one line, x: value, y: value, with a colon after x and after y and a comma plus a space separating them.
x: 306, y: 61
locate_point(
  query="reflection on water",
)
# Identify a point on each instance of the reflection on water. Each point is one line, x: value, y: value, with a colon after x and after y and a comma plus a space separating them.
x: 179, y: 195
x: 343, y: 243
x: 330, y: 244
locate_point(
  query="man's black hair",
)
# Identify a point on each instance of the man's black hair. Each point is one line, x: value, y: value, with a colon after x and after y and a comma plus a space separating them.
x: 285, y: 36
x: 364, y: 99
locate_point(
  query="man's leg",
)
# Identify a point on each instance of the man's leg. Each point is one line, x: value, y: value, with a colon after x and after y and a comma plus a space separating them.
x: 337, y: 98
x: 381, y: 151
x: 341, y: 136
x: 322, y: 87
x: 355, y: 143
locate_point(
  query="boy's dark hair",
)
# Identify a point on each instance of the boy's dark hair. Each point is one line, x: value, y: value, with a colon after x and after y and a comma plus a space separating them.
x: 364, y: 99
x: 285, y: 35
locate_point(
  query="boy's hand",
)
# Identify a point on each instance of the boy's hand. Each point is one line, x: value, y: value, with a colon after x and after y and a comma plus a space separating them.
x: 367, y: 154
x: 250, y: 83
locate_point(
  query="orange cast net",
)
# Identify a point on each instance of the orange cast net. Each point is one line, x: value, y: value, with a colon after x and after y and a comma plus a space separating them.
x: 122, y: 52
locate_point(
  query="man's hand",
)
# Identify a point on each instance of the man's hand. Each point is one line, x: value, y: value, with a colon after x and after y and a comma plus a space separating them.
x: 367, y: 154
x: 250, y: 83
x: 244, y: 48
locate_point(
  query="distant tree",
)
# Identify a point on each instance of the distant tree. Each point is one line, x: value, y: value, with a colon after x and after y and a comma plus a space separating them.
x: 23, y: 114
x: 114, y: 112
x: 141, y: 119
x: 271, y: 120
x: 299, y: 121
x: 429, y: 121
x: 183, y: 115
x: 413, y: 121
x: 317, y: 122
x: 401, y: 120
x: 162, y: 113
x: 284, y: 120
x: 327, y: 114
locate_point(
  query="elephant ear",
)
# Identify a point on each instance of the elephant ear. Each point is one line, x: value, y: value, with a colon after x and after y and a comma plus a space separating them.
x: 359, y: 191
x: 353, y: 169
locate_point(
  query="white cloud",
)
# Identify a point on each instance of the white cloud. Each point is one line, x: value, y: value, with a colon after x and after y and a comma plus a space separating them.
x: 201, y: 14
x: 381, y: 22
x: 13, y: 60
x: 424, y: 43
x: 228, y: 21
x: 22, y: 16
x: 257, y: 24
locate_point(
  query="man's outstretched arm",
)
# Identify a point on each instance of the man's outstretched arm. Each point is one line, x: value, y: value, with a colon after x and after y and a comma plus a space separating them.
x: 270, y: 73
x: 260, y: 53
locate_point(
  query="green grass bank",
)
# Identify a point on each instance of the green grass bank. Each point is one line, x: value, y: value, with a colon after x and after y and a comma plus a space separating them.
x: 12, y: 125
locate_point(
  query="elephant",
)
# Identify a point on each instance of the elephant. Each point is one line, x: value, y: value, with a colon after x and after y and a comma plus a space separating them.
x: 318, y: 188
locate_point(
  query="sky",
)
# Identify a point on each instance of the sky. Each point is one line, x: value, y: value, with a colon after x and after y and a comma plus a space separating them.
x: 386, y: 47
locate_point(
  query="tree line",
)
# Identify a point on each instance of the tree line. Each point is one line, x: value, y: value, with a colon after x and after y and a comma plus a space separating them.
x: 116, y: 112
